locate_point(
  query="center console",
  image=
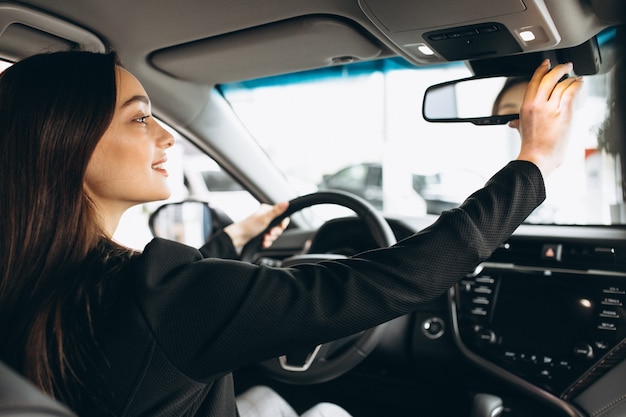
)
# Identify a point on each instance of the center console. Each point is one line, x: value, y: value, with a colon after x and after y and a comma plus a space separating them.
x: 542, y: 318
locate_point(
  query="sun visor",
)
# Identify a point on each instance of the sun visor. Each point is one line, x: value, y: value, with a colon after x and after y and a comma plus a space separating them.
x: 24, y: 32
x: 283, y: 47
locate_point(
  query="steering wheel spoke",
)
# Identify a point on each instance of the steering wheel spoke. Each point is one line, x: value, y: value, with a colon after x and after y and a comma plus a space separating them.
x: 329, y: 360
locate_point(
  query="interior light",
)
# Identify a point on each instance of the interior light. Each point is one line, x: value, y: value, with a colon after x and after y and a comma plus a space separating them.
x: 425, y: 49
x: 527, y: 35
x: 585, y: 303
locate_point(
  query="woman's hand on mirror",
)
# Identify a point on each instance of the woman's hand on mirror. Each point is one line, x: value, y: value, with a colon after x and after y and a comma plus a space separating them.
x: 546, y: 114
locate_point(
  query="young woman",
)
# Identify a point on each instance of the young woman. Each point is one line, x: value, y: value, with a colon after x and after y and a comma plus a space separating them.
x: 113, y: 332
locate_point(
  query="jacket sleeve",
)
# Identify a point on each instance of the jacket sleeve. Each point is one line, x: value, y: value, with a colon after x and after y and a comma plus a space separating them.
x: 212, y: 315
x: 219, y: 245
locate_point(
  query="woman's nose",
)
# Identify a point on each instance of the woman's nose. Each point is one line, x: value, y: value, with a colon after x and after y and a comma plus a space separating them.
x: 166, y: 139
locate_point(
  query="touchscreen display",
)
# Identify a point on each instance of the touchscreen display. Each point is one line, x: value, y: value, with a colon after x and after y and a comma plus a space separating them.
x: 532, y: 311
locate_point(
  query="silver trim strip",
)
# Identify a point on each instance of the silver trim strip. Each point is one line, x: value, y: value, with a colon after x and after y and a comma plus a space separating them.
x: 305, y: 366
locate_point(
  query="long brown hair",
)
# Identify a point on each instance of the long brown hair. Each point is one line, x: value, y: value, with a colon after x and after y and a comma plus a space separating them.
x: 54, y: 108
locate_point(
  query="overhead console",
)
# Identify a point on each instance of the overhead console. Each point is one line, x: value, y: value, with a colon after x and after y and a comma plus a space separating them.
x: 548, y: 315
x: 437, y: 31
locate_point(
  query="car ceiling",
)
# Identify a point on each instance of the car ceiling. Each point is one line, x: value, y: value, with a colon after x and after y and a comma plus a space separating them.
x: 215, y: 41
x: 180, y: 49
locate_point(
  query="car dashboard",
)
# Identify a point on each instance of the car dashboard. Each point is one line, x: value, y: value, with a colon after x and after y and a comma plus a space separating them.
x: 544, y: 315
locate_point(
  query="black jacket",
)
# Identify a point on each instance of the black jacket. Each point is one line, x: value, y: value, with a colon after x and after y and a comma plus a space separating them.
x: 180, y: 321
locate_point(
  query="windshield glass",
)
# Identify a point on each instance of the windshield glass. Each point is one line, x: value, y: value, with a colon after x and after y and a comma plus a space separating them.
x: 360, y: 128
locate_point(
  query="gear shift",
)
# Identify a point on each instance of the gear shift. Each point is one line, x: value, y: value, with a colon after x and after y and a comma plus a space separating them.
x: 487, y: 405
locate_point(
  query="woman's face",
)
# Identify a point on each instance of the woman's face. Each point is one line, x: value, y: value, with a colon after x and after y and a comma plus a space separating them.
x: 127, y: 166
x: 511, y: 101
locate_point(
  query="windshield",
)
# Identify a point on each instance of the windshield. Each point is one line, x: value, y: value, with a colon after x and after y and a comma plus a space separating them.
x: 359, y: 128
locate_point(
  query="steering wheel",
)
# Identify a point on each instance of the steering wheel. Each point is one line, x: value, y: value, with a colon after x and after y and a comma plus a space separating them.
x: 330, y: 360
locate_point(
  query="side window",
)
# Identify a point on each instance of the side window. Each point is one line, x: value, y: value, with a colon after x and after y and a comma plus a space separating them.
x: 205, y: 180
x: 218, y: 180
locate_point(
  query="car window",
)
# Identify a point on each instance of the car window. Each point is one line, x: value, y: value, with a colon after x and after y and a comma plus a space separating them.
x: 352, y: 176
x: 363, y: 114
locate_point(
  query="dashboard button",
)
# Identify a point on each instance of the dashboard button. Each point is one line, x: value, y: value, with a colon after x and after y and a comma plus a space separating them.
x: 608, y: 313
x: 583, y: 351
x: 613, y: 290
x: 609, y: 301
x: 552, y: 252
x: 433, y: 328
x: 485, y: 279
x: 607, y: 326
x: 479, y: 311
x: 480, y: 300
x: 545, y: 374
x: 547, y: 360
x: 486, y: 335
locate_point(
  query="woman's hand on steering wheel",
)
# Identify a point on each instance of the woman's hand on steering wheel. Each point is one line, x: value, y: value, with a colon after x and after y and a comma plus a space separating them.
x: 258, y: 222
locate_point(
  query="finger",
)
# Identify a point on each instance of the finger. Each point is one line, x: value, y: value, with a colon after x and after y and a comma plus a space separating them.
x: 269, y: 238
x: 279, y: 208
x: 566, y: 90
x: 551, y: 80
x: 569, y: 95
x: 535, y: 80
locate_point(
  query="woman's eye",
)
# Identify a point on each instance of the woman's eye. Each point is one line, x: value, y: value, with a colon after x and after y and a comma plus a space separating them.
x: 142, y: 119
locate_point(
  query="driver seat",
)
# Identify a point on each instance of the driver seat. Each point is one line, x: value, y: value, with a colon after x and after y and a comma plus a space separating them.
x: 20, y: 398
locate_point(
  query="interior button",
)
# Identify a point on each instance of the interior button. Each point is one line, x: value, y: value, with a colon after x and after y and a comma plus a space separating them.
x: 608, y: 301
x: 584, y: 351
x: 433, y: 328
x: 479, y: 311
x: 545, y: 373
x: 613, y: 290
x: 607, y: 326
x: 485, y: 280
x: 552, y: 252
x: 481, y: 300
x: 482, y: 290
x: 528, y: 358
x: 486, y: 336
x: 612, y: 314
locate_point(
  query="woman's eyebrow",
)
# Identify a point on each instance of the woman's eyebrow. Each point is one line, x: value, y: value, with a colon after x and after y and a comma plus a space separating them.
x: 140, y: 98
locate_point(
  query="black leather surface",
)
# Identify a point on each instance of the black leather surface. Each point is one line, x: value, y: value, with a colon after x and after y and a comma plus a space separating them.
x: 607, y: 397
x: 19, y: 398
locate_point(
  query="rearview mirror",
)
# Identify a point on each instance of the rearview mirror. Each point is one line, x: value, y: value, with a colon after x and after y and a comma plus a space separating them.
x: 477, y: 100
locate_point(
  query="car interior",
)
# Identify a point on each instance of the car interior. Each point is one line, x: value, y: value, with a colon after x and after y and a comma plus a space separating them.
x: 269, y: 100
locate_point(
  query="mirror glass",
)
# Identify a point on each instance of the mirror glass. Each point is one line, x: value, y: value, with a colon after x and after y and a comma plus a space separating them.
x: 482, y: 101
x: 188, y: 222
